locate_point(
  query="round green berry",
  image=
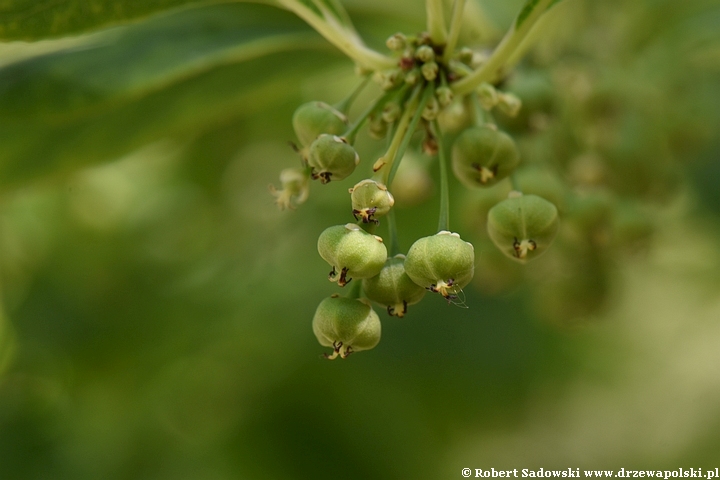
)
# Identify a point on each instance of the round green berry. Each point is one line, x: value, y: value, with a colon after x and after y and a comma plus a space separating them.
x: 429, y: 70
x: 352, y: 252
x: 442, y: 263
x: 346, y: 325
x: 370, y: 199
x: 312, y: 119
x: 523, y: 226
x: 396, y: 42
x: 332, y: 158
x: 425, y: 53
x: 482, y: 156
x: 393, y: 288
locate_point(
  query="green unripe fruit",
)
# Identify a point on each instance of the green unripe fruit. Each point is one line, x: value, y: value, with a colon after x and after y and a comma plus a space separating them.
x: 487, y: 96
x: 509, y: 104
x: 352, y: 253
x: 442, y: 263
x: 332, y: 158
x: 391, y: 112
x: 314, y: 118
x: 346, y: 325
x: 412, y: 77
x: 425, y: 53
x: 523, y: 226
x: 396, y: 42
x: 465, y: 55
x: 389, y: 79
x: 393, y: 288
x: 370, y: 200
x: 456, y: 117
x: 482, y: 156
x: 429, y: 70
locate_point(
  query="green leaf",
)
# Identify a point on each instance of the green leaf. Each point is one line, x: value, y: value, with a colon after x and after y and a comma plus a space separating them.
x: 173, y: 76
x: 35, y: 19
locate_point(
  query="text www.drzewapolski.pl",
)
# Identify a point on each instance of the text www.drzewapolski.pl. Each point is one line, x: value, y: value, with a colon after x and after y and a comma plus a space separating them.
x: 707, y: 474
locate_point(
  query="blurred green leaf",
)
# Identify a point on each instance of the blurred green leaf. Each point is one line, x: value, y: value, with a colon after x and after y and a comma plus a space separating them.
x: 35, y: 19
x: 171, y: 76
x: 40, y: 19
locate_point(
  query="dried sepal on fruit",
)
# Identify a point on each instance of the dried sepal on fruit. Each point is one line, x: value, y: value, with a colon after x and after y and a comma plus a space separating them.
x: 352, y: 253
x: 346, y: 325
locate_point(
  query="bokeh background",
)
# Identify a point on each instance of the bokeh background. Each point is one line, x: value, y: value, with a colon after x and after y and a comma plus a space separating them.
x: 157, y: 305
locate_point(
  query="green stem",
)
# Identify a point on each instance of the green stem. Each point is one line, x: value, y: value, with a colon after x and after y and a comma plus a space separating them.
x: 482, y: 116
x: 524, y: 22
x: 427, y: 95
x: 345, y: 104
x: 353, y: 130
x: 355, y: 289
x: 382, y: 173
x: 346, y: 40
x: 392, y: 233
x: 338, y: 12
x: 459, y: 69
x: 455, y: 24
x: 369, y: 227
x: 436, y: 21
x: 478, y: 110
x: 444, y: 220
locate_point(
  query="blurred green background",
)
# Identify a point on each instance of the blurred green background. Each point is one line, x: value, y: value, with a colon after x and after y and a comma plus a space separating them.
x: 157, y: 305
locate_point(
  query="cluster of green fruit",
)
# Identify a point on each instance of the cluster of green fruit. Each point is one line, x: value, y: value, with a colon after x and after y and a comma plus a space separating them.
x: 593, y: 148
x: 522, y: 226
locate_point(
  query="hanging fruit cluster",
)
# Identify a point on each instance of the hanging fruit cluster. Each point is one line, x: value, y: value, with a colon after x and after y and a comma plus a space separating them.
x: 525, y: 167
x: 414, y: 93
